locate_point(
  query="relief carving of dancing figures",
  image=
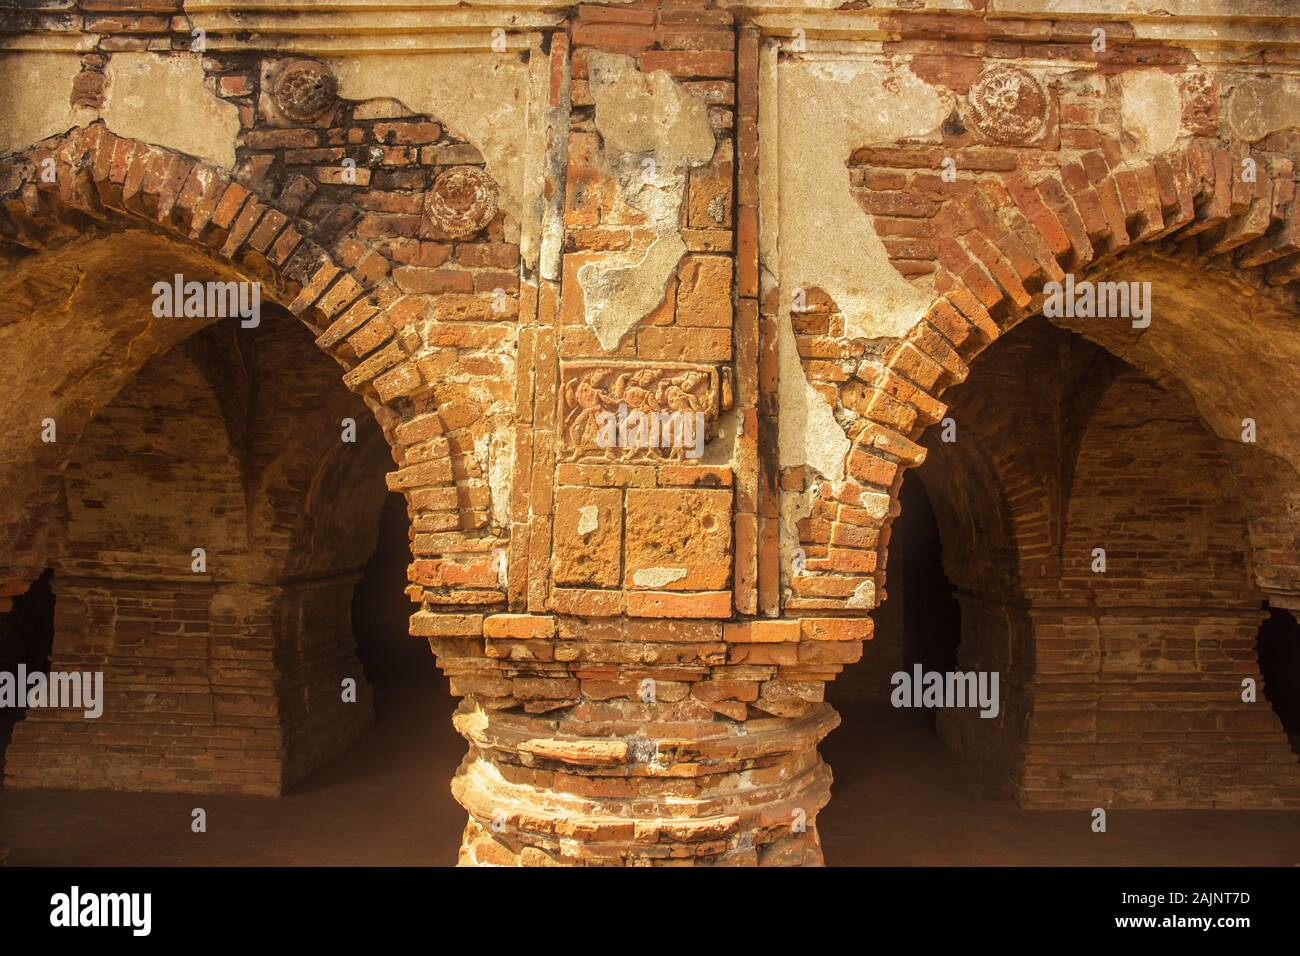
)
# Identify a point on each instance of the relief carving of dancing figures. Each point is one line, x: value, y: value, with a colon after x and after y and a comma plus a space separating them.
x: 630, y: 412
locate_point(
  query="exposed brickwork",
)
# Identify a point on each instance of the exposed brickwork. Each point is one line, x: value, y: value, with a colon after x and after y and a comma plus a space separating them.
x: 641, y: 656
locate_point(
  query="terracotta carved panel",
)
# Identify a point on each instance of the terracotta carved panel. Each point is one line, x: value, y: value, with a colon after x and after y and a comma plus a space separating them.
x: 1008, y: 104
x: 635, y: 411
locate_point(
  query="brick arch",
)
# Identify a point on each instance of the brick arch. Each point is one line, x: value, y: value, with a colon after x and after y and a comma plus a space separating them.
x: 1006, y: 235
x: 337, y: 496
x: 1250, y: 311
x: 1009, y: 234
x: 104, y: 183
x: 153, y: 474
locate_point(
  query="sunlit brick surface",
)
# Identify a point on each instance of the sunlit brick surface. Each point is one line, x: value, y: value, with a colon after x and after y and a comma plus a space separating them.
x: 782, y: 239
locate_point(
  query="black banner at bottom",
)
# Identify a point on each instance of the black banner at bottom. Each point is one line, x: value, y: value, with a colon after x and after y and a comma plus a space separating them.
x: 331, y: 906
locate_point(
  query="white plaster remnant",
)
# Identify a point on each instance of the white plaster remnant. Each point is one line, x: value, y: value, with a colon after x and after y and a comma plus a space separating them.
x: 37, y: 88
x: 825, y: 110
x: 500, y: 469
x: 588, y: 519
x: 1150, y: 110
x: 795, y: 506
x: 163, y: 100
x: 648, y: 113
x: 1261, y: 106
x: 382, y: 108
x: 809, y: 433
x: 875, y: 504
x: 653, y: 132
x: 863, y: 596
x: 657, y: 577
x: 617, y: 297
x: 481, y: 97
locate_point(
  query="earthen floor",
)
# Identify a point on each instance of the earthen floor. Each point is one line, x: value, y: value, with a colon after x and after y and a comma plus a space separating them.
x: 899, y: 799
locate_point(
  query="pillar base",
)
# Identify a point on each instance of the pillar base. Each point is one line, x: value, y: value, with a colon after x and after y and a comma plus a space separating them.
x: 719, y: 793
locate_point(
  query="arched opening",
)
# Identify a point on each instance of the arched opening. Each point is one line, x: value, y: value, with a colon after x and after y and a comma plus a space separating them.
x: 380, y: 612
x: 1119, y: 682
x: 931, y: 613
x: 1279, y: 662
x: 234, y: 449
x: 26, y: 638
x: 920, y: 624
x: 201, y: 571
x: 224, y: 674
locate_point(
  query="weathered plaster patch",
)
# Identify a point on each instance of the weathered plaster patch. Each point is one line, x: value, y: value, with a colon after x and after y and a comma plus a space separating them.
x: 657, y: 577
x: 823, y: 111
x: 1261, y: 106
x: 826, y: 110
x: 384, y: 107
x: 588, y: 519
x: 37, y: 90
x: 648, y: 113
x: 809, y: 433
x: 653, y: 132
x: 863, y: 596
x: 795, y: 507
x: 163, y: 100
x: 482, y: 97
x: 500, y: 468
x: 874, y: 503
x: 617, y: 297
x: 542, y: 238
x: 1150, y: 110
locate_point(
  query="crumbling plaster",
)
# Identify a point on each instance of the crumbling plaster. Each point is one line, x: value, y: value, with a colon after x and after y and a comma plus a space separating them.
x: 1150, y: 110
x: 816, y: 112
x: 159, y: 99
x: 1261, y: 106
x: 163, y: 100
x: 482, y: 96
x: 653, y: 131
x: 32, y: 106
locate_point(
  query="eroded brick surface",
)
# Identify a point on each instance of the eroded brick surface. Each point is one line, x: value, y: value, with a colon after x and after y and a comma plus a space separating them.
x: 652, y: 336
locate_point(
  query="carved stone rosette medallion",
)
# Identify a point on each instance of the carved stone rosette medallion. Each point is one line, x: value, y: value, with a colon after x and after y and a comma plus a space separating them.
x: 1008, y: 105
x: 462, y: 201
x: 304, y: 90
x: 637, y: 411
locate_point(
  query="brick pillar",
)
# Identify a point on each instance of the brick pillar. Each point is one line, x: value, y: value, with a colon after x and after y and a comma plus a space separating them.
x: 631, y: 706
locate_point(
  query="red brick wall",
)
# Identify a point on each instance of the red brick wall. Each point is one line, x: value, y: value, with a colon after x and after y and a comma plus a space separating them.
x: 552, y: 654
x: 188, y: 680
x: 1139, y: 670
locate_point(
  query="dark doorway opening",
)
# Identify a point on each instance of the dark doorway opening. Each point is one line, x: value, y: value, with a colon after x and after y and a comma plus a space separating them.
x: 26, y: 638
x: 1279, y: 662
x: 931, y: 615
x: 392, y: 659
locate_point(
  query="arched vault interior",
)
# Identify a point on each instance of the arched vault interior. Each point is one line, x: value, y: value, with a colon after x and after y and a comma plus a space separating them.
x: 1111, y: 539
x: 223, y: 670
